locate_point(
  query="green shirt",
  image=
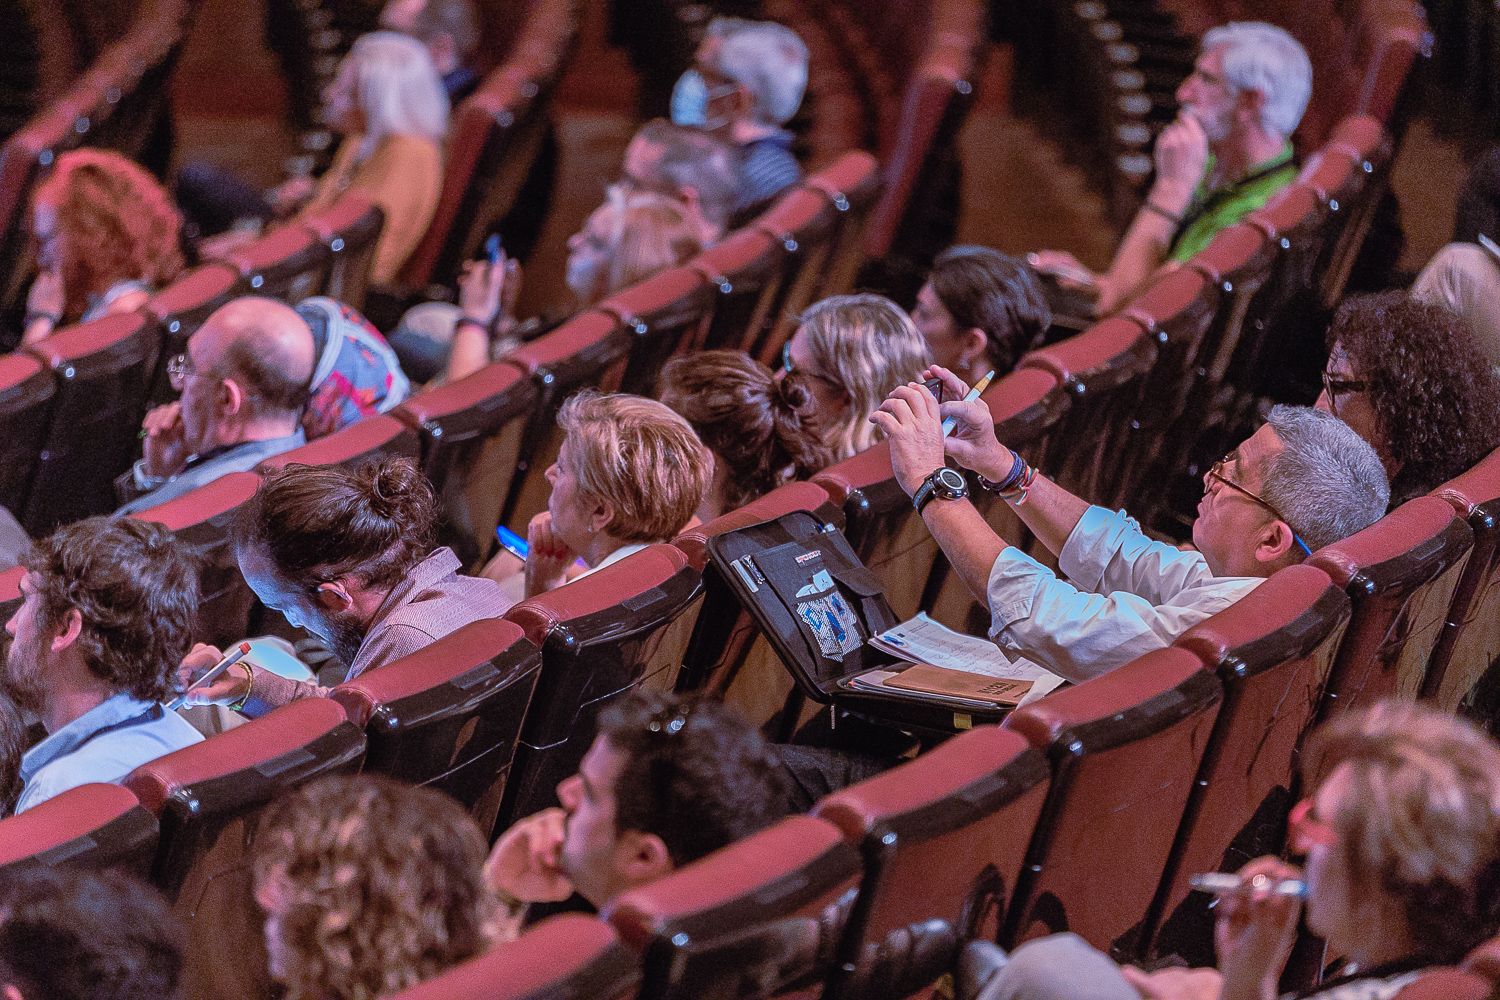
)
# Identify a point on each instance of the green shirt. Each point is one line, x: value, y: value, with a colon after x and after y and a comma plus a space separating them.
x: 1214, y: 209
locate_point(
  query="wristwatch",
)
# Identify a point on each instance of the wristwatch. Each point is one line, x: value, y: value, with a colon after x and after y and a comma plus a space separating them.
x: 943, y: 483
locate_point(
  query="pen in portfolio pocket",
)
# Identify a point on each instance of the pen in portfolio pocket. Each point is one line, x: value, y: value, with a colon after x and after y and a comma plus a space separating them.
x: 949, y: 423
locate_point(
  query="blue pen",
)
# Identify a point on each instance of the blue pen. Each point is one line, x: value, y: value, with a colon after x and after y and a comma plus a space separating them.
x: 949, y: 423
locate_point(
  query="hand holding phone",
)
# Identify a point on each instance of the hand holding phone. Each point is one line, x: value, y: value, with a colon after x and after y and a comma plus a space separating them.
x: 512, y: 542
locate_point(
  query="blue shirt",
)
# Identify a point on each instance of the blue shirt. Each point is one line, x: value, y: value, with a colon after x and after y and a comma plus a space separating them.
x: 103, y: 744
x: 767, y: 168
x: 139, y: 491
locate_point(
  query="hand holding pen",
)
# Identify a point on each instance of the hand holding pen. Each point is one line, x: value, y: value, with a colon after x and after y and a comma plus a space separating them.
x: 968, y: 427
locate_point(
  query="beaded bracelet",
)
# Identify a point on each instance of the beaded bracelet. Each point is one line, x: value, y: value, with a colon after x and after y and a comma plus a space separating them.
x: 1017, y: 470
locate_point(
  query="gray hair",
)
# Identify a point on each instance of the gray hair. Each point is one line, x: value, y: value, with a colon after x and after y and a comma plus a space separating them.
x: 1326, y: 481
x: 693, y: 158
x: 767, y: 59
x: 1268, y: 60
x: 397, y: 87
x: 455, y: 18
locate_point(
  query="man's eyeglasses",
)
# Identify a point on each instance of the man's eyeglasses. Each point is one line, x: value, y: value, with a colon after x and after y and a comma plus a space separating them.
x: 179, y: 370
x: 1217, y: 473
x: 1333, y: 385
x: 1305, y: 831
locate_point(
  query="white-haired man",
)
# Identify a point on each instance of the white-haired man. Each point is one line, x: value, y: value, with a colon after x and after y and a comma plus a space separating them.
x: 747, y: 82
x: 1302, y: 481
x: 1227, y: 154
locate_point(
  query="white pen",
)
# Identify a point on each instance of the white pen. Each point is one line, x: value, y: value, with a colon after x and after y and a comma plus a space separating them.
x: 949, y: 423
x: 212, y: 674
x: 1222, y: 884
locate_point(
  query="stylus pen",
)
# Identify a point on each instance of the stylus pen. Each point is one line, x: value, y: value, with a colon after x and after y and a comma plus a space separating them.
x: 1222, y: 884
x: 951, y: 422
x: 212, y: 674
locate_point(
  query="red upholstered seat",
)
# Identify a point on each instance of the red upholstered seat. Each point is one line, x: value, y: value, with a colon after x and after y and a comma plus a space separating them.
x: 803, y: 223
x: 566, y: 957
x: 349, y: 228
x: 1448, y: 984
x: 742, y: 921
x: 1469, y: 644
x: 472, y: 432
x: 1103, y: 369
x: 101, y: 369
x: 1401, y: 573
x: 1272, y: 651
x: 372, y: 438
x: 180, y: 308
x: 26, y: 392
x: 743, y: 271
x: 665, y: 314
x: 203, y: 519
x: 943, y: 836
x: 209, y: 798
x: 449, y: 715
x: 622, y: 627
x: 93, y: 826
x: 289, y: 263
x: 1125, y: 749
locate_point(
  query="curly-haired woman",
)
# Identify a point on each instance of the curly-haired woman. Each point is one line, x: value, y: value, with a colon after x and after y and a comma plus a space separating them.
x: 107, y: 235
x: 370, y: 887
x: 1410, y: 380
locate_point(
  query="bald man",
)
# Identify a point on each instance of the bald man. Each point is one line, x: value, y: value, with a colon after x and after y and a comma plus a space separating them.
x: 243, y: 382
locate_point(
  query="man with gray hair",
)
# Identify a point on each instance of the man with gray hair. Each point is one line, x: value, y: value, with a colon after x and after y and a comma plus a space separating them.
x: 747, y: 82
x: 695, y: 167
x: 1302, y: 481
x: 1227, y: 154
x: 449, y: 29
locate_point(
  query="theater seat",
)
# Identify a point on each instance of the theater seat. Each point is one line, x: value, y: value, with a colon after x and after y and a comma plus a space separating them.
x: 101, y: 369
x: 745, y: 921
x: 288, y: 263
x: 851, y: 184
x: 622, y: 627
x: 26, y: 392
x: 371, y: 439
x: 744, y: 271
x: 942, y: 836
x: 566, y: 957
x: 209, y: 799
x: 179, y: 309
x: 1470, y: 643
x: 472, y: 432
x: 665, y: 314
x: 1448, y: 984
x: 803, y: 223
x: 91, y: 826
x: 203, y: 520
x: 1401, y: 573
x: 1272, y: 650
x: 349, y: 228
x: 1124, y: 749
x: 449, y: 715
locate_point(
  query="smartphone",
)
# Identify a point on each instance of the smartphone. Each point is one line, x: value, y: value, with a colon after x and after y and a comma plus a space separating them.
x: 493, y: 249
x: 935, y: 386
x: 512, y: 542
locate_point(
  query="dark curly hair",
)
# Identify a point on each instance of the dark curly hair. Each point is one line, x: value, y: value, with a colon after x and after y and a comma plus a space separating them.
x: 12, y: 747
x: 1436, y: 397
x: 135, y: 588
x: 67, y: 934
x: 696, y: 775
x: 319, y: 523
x: 764, y: 431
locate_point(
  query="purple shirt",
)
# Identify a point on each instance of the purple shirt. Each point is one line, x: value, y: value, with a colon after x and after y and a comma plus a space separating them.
x: 431, y: 602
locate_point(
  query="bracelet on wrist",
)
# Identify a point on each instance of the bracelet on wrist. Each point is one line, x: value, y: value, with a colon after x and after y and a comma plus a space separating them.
x: 1017, y: 495
x: 1011, y: 478
x: 238, y: 705
x: 32, y: 317
x: 471, y: 321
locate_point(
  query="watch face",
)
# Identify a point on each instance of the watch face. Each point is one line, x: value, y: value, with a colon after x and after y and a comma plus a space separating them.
x: 950, y: 483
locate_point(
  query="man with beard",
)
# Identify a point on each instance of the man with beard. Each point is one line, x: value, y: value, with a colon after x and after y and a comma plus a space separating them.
x: 349, y: 556
x: 108, y: 609
x: 1227, y: 154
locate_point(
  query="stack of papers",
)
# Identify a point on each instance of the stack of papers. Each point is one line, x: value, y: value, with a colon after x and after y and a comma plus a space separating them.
x: 923, y: 640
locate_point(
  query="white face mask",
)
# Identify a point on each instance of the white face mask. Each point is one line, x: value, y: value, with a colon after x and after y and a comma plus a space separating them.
x: 690, y: 100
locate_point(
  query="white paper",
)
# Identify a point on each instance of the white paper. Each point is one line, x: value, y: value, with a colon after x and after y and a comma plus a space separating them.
x: 923, y: 640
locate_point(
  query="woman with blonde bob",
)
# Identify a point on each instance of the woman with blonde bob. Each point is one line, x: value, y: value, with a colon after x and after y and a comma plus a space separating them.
x: 1401, y: 835
x: 370, y: 887
x: 626, y: 240
x: 854, y: 350
x: 630, y: 473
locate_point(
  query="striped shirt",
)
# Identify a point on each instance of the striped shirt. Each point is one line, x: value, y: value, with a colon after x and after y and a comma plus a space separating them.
x: 767, y: 168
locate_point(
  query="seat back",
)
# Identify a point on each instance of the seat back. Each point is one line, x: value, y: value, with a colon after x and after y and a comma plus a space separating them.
x: 665, y: 314
x: 737, y: 924
x: 743, y: 271
x: 209, y: 799
x: 1272, y: 651
x: 1448, y: 984
x: 288, y: 263
x: 625, y: 626
x: 90, y: 826
x: 1401, y: 573
x: 1469, y: 647
x: 179, y: 309
x: 943, y: 836
x: 372, y: 438
x: 566, y: 957
x: 449, y: 715
x: 1125, y: 749
x: 349, y: 228
x: 26, y: 392
x: 101, y: 369
x: 852, y: 184
x: 471, y: 446
x: 803, y: 224
x: 203, y: 520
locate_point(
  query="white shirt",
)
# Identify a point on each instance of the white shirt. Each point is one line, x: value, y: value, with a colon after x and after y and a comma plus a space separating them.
x: 1128, y: 595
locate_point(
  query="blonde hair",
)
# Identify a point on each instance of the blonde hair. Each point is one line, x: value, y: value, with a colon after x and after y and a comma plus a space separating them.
x: 397, y: 87
x: 376, y: 885
x: 648, y: 232
x: 1421, y: 821
x: 641, y: 458
x: 869, y: 346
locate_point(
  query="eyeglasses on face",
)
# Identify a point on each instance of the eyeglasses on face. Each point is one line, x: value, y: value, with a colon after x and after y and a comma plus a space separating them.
x: 1334, y: 385
x: 1305, y: 831
x: 179, y: 370
x: 1217, y: 473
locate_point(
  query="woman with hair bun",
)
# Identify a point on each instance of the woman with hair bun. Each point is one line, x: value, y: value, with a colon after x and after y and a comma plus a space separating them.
x: 762, y: 431
x: 348, y: 555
